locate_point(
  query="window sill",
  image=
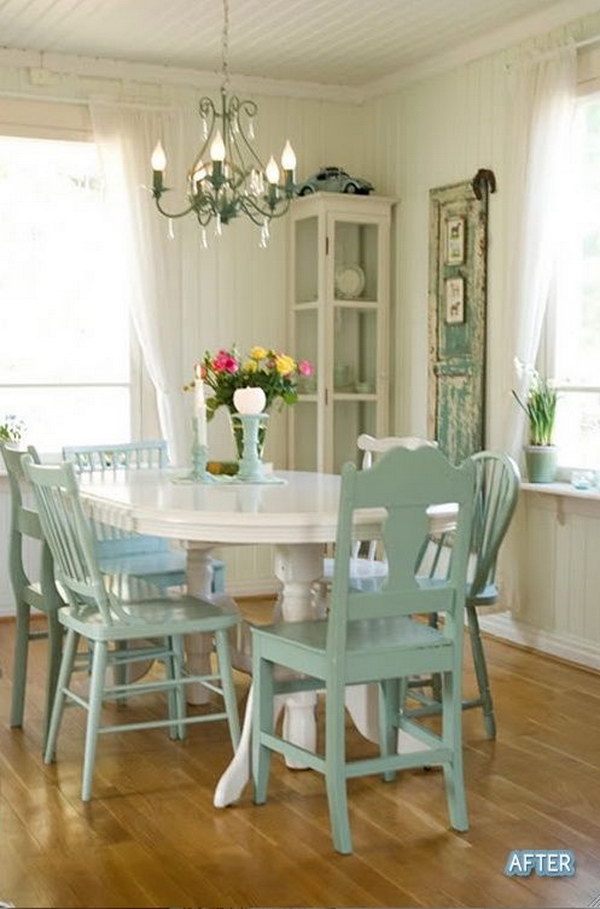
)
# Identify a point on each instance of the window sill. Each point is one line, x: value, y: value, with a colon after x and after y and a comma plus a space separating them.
x: 563, y: 489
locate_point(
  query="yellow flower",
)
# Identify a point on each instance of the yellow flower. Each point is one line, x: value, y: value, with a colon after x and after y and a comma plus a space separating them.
x: 258, y: 353
x: 284, y: 364
x: 250, y: 365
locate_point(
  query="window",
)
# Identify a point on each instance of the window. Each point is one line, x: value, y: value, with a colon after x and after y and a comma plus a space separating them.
x: 64, y: 325
x: 575, y: 335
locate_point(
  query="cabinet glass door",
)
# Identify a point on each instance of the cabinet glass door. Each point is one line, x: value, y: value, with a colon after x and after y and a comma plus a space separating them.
x: 306, y: 278
x: 355, y: 261
x: 355, y: 377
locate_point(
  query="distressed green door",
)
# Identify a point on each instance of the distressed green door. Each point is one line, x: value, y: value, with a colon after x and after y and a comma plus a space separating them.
x: 457, y: 319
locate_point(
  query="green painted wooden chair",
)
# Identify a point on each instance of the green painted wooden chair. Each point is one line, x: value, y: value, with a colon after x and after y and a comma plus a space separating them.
x: 95, y: 613
x: 372, y: 637
x: 132, y: 554
x: 367, y: 571
x: 496, y: 492
x: 40, y: 595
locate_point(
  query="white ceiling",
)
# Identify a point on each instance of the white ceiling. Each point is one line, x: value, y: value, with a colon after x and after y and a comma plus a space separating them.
x: 338, y: 42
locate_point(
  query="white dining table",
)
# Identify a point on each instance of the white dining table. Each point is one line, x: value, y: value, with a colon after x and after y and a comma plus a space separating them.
x: 296, y: 517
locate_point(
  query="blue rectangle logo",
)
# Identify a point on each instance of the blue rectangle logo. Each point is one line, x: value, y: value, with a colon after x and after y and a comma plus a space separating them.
x: 543, y: 862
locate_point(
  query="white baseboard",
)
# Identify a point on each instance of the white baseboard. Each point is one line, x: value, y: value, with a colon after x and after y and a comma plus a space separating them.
x: 565, y: 646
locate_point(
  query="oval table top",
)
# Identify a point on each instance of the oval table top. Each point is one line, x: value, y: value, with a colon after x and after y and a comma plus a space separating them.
x: 303, y: 509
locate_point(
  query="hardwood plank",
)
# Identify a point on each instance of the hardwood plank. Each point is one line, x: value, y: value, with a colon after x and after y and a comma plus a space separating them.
x: 151, y: 836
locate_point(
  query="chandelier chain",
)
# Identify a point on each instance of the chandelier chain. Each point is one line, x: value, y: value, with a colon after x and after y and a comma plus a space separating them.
x: 225, y: 45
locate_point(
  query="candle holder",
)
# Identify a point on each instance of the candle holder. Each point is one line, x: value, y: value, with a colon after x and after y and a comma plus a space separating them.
x: 252, y: 469
x: 199, y: 473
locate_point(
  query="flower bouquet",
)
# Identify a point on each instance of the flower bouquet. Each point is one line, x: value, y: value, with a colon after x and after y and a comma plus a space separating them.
x: 540, y: 406
x: 11, y: 429
x: 275, y: 373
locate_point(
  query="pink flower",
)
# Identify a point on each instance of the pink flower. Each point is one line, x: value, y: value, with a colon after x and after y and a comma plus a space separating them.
x: 224, y: 362
x: 305, y: 368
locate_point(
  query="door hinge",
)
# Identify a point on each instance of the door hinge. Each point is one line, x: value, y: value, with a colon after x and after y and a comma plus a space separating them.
x: 326, y: 246
x: 326, y: 397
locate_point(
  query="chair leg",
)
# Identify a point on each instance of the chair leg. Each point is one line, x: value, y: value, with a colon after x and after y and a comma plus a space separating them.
x: 176, y: 731
x: 335, y: 767
x: 452, y: 738
x: 20, y: 665
x: 218, y: 579
x: 121, y: 673
x: 178, y: 666
x: 55, y: 642
x: 224, y: 661
x: 481, y: 672
x: 389, y: 703
x: 66, y: 668
x: 262, y: 683
x: 93, y: 721
x: 436, y: 681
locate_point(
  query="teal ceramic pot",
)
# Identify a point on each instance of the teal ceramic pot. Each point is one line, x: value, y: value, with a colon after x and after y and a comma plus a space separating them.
x: 541, y: 463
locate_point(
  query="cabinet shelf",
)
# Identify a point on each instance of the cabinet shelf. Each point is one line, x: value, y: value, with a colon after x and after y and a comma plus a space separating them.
x: 355, y: 304
x: 353, y: 396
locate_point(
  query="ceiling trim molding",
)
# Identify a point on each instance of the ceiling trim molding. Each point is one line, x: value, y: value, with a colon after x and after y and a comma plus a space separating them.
x: 561, y: 14
x: 105, y: 68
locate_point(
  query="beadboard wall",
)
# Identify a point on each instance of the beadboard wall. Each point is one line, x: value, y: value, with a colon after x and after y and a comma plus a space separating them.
x: 440, y: 131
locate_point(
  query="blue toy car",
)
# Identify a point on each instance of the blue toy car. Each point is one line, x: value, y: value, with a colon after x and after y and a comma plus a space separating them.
x: 334, y: 180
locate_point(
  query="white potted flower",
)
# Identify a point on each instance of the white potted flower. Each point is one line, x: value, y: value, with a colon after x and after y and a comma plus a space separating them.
x: 541, y: 455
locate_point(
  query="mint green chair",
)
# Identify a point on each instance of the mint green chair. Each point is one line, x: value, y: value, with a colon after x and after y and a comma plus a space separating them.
x: 495, y: 500
x: 372, y: 637
x: 95, y: 613
x: 39, y: 595
x: 132, y: 554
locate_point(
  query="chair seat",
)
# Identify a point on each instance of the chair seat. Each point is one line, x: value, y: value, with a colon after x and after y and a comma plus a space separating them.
x: 365, y: 574
x: 380, y: 635
x: 156, y: 617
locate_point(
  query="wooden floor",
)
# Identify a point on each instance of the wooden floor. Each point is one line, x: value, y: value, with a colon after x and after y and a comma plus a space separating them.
x: 151, y: 836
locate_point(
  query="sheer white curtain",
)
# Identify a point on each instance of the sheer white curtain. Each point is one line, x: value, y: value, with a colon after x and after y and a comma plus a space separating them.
x: 154, y: 260
x: 542, y: 95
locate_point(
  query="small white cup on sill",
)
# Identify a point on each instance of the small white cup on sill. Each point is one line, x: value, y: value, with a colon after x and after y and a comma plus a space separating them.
x: 583, y: 479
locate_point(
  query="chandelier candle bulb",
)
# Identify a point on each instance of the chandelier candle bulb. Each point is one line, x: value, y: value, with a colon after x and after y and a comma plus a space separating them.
x: 158, y: 162
x: 217, y: 149
x: 272, y: 171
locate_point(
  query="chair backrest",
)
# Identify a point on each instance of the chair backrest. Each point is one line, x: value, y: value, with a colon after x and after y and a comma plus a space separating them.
x: 496, y: 493
x: 122, y: 456
x: 112, y: 541
x: 24, y: 521
x: 68, y: 534
x: 370, y: 446
x: 404, y: 483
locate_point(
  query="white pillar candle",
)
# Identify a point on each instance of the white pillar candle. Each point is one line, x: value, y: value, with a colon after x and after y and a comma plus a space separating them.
x: 249, y: 400
x: 200, y: 405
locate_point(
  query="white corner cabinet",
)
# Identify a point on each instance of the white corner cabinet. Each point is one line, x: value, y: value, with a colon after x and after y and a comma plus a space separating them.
x: 339, y: 293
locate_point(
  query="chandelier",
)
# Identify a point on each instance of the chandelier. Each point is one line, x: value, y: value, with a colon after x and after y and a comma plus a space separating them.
x: 227, y: 177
